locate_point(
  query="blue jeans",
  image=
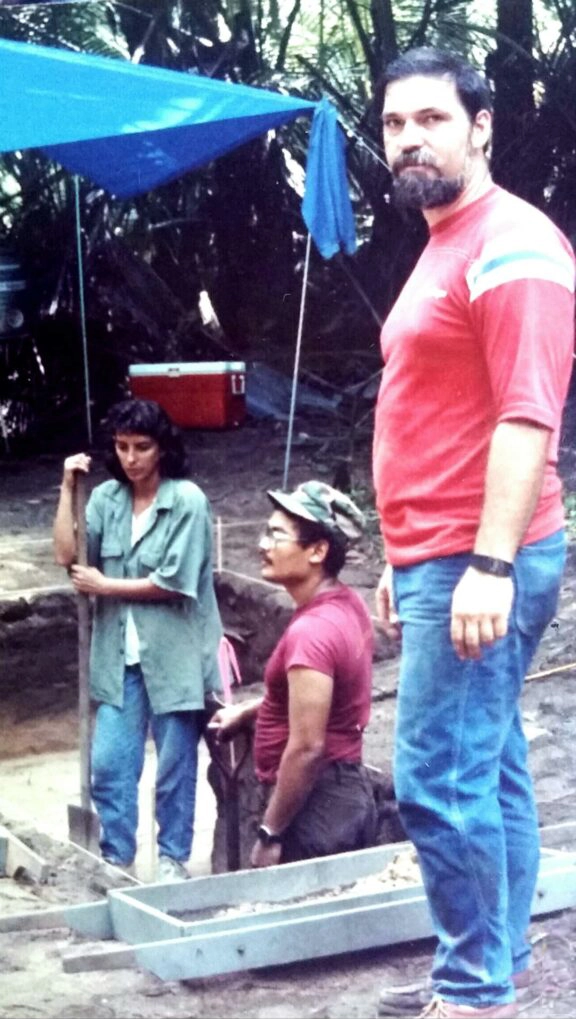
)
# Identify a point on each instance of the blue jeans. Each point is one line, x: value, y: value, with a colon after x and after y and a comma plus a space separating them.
x: 461, y: 776
x: 118, y: 759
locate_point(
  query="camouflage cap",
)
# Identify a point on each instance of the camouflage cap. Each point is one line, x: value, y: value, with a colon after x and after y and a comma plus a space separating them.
x: 317, y: 501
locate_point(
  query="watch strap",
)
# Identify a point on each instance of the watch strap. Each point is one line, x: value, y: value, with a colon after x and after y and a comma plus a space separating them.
x: 486, y: 564
x: 267, y: 837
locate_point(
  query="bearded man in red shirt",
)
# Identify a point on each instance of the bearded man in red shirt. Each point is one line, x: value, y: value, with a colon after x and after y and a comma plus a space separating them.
x: 478, y: 355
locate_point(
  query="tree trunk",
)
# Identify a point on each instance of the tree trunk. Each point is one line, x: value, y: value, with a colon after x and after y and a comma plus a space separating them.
x: 386, y: 48
x: 511, y: 69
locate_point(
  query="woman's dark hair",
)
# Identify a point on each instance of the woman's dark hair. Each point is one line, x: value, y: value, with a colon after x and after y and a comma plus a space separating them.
x: 309, y: 532
x: 473, y: 90
x: 145, y: 417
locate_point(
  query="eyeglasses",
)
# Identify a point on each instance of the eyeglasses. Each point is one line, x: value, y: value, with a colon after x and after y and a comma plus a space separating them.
x: 273, y: 536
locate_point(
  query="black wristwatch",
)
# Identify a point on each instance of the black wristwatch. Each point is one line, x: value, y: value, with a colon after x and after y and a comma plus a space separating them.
x: 267, y: 837
x: 486, y: 564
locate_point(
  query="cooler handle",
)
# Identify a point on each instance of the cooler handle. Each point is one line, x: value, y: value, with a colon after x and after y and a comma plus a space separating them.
x: 238, y: 385
x: 173, y: 371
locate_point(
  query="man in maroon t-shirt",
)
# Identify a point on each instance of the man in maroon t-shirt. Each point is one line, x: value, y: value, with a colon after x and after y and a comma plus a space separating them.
x: 318, y: 797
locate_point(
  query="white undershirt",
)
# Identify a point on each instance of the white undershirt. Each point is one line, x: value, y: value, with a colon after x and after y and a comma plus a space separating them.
x: 131, y: 643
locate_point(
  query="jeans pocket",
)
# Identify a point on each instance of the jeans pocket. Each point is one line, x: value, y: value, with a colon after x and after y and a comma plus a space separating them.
x: 538, y: 571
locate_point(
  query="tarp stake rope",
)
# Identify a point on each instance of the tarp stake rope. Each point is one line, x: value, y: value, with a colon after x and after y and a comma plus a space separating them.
x: 296, y: 363
x: 82, y: 307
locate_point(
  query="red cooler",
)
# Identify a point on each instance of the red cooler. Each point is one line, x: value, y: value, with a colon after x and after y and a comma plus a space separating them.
x: 196, y: 394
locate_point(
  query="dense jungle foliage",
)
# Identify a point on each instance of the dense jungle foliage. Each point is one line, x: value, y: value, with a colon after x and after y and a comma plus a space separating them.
x: 210, y: 265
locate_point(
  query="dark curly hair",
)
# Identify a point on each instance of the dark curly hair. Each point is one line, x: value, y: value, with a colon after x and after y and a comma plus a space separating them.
x: 145, y: 417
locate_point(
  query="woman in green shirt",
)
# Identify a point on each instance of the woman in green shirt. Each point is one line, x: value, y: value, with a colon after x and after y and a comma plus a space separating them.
x: 156, y: 626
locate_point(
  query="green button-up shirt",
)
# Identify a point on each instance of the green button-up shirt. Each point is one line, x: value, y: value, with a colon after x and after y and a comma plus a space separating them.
x: 179, y: 637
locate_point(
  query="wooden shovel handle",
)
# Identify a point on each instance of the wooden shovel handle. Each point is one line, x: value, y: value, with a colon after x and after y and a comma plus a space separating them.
x: 85, y: 735
x: 80, y: 517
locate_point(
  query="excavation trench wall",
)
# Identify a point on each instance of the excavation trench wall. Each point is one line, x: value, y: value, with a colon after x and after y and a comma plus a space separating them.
x: 38, y: 636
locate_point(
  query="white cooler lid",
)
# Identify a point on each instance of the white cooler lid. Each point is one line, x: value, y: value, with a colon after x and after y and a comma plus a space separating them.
x: 188, y: 368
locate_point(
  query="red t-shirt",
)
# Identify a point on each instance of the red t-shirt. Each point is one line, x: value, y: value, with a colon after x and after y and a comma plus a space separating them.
x: 482, y: 332
x: 331, y: 634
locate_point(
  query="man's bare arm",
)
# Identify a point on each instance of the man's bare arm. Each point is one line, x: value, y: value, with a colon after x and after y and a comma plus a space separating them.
x: 310, y: 698
x: 481, y: 603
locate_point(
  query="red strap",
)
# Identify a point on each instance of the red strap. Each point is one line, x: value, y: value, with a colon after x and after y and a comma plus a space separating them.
x: 228, y: 667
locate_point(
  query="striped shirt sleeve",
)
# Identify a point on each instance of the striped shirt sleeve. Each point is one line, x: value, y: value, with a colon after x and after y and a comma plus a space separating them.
x: 513, y: 256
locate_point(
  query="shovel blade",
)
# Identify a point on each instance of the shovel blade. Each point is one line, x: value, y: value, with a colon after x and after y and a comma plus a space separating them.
x: 84, y: 828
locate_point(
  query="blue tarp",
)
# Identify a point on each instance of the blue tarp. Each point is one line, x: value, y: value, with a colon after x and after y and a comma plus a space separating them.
x: 268, y: 394
x: 326, y: 207
x: 130, y: 127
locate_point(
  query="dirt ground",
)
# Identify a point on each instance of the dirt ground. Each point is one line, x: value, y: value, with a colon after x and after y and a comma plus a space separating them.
x: 235, y: 469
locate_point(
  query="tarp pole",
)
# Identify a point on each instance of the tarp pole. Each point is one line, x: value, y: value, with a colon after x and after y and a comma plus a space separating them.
x: 296, y: 363
x: 82, y: 308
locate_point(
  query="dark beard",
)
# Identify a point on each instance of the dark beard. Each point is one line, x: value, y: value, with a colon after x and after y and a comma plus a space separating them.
x: 412, y: 191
